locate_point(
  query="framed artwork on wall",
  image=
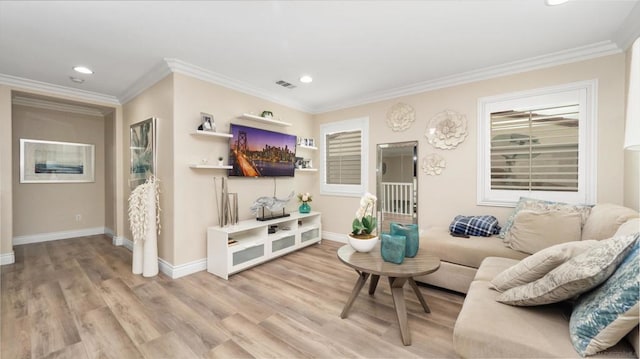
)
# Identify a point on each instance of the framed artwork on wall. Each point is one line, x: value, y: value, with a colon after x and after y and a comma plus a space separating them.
x: 56, y: 162
x: 143, y: 151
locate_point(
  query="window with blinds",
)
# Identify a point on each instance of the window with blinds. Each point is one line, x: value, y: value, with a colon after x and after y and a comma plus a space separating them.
x: 535, y: 150
x: 344, y: 162
x: 539, y: 143
x: 343, y: 157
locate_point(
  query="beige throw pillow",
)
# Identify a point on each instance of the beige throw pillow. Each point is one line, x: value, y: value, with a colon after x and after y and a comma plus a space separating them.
x: 605, y: 219
x: 539, y: 264
x: 536, y: 230
x: 576, y: 276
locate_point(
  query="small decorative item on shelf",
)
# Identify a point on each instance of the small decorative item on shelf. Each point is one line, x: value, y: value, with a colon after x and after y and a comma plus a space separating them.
x: 362, y: 237
x: 266, y: 114
x: 410, y: 231
x: 220, y: 161
x: 393, y: 247
x: 207, y: 123
x: 304, y: 198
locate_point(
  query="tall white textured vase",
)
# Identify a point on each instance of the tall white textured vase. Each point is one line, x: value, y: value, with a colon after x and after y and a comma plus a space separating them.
x: 150, y: 250
x: 136, y: 267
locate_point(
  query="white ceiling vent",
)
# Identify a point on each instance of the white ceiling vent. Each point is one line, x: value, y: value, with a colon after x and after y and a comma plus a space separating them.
x: 285, y: 84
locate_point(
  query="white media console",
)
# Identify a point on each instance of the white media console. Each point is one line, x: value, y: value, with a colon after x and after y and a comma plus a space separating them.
x: 254, y: 244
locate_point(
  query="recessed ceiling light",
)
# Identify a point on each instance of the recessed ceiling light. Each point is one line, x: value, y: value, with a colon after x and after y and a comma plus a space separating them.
x: 76, y: 80
x: 83, y: 70
x: 305, y: 79
x: 555, y: 2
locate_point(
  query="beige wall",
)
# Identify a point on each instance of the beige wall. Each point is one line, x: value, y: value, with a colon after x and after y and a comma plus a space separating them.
x: 156, y: 101
x: 110, y: 178
x: 194, y: 206
x: 40, y: 208
x: 6, y: 213
x: 454, y: 191
x: 631, y: 160
x: 187, y: 195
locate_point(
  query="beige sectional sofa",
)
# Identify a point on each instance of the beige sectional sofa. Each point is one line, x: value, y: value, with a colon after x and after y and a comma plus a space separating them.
x: 461, y: 257
x: 486, y: 328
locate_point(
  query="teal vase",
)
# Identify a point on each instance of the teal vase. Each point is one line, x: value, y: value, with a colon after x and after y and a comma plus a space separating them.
x: 410, y: 231
x: 392, y: 248
x: 304, y: 208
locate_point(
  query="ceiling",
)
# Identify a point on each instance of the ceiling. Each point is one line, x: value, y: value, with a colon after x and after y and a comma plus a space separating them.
x: 356, y: 51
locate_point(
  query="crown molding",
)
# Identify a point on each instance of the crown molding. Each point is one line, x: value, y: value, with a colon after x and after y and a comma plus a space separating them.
x: 582, y: 53
x: 32, y: 85
x: 184, y: 68
x: 58, y: 106
x: 157, y: 73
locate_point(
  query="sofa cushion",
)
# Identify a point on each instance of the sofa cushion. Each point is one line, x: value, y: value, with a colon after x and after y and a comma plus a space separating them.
x: 539, y: 264
x: 533, y: 231
x: 605, y: 219
x: 464, y: 251
x: 576, y: 276
x: 488, y: 329
x: 630, y: 226
x: 540, y: 205
x: 605, y: 315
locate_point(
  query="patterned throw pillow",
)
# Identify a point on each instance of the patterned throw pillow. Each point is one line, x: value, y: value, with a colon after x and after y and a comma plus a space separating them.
x: 540, y: 263
x: 604, y: 316
x: 576, y: 276
x: 540, y: 205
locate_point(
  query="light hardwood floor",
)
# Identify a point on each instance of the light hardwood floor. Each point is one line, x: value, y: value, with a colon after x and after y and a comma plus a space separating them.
x: 77, y: 298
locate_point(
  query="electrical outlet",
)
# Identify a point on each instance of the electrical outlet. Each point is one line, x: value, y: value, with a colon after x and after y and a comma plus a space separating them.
x: 78, y: 217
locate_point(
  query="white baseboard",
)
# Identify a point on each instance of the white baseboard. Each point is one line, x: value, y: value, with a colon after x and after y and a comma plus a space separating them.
x: 182, y: 269
x: 333, y: 236
x: 165, y: 267
x: 7, y: 258
x: 54, y: 236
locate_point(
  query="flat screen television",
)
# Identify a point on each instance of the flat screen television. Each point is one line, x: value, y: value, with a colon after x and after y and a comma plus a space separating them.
x: 254, y: 152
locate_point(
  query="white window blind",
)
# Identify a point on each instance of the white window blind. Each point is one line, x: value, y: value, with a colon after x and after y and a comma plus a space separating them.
x: 538, y: 143
x: 535, y: 150
x: 344, y: 163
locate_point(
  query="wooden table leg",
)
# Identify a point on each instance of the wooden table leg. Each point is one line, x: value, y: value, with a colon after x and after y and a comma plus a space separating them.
x: 356, y: 289
x: 397, y: 292
x: 413, y: 285
x: 373, y: 284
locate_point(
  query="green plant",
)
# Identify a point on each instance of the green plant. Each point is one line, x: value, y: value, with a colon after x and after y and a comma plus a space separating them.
x: 365, y: 222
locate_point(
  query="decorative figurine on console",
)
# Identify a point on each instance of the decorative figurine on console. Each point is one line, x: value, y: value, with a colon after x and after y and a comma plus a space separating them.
x: 273, y: 204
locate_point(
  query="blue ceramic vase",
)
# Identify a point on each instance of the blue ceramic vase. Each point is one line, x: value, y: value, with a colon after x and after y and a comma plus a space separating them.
x: 304, y: 208
x: 410, y: 231
x: 392, y: 248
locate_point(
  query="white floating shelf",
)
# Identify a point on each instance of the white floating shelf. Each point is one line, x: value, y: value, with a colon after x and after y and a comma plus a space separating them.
x: 210, y: 133
x: 307, y: 147
x: 211, y: 167
x: 247, y: 116
x: 307, y: 169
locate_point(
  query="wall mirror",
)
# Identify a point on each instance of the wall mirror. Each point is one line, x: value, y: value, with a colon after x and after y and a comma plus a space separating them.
x: 397, y: 183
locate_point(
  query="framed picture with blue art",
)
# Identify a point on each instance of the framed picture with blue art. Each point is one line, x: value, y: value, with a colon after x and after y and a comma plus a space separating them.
x: 142, y: 145
x: 56, y: 162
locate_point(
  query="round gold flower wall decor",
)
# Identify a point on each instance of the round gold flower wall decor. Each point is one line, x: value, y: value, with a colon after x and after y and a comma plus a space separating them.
x: 446, y: 130
x: 433, y: 164
x: 400, y: 116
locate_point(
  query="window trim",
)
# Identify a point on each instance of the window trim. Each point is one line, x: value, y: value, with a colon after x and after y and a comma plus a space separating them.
x: 587, y: 146
x: 358, y: 124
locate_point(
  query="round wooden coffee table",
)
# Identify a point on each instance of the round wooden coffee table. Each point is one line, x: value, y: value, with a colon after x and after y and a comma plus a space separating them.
x: 372, y: 264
